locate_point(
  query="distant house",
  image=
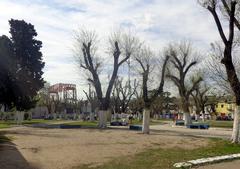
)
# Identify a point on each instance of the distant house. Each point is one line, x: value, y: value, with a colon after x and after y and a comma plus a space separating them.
x: 225, y: 106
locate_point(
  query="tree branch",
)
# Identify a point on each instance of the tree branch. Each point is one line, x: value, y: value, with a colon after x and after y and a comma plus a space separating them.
x: 218, y: 23
x: 236, y: 22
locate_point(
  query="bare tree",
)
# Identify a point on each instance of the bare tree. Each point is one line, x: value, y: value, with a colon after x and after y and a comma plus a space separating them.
x: 122, y: 94
x: 145, y: 59
x: 182, y: 61
x: 200, y: 98
x: 226, y: 11
x: 121, y: 48
x: 216, y: 71
x: 228, y: 41
x: 92, y: 99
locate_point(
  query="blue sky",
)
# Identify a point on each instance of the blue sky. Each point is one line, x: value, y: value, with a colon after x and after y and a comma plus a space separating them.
x: 157, y: 22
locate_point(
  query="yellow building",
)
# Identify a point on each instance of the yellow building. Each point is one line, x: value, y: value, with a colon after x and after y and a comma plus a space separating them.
x: 225, y: 108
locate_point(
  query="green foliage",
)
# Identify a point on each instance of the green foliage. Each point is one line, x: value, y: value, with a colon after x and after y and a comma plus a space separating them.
x: 20, y: 66
x: 29, y: 63
x: 7, y: 71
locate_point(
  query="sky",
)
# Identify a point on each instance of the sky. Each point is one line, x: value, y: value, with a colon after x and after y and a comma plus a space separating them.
x: 157, y: 22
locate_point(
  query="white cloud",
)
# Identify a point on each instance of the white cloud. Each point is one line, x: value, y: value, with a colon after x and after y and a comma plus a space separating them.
x: 156, y: 21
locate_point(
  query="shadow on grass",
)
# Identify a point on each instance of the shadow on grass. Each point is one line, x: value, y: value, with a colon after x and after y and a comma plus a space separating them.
x: 10, y: 157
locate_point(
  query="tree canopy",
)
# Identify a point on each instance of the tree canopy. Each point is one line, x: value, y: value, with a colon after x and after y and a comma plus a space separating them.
x: 21, y: 66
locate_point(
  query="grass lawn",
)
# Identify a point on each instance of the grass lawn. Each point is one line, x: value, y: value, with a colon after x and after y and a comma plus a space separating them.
x: 165, y: 158
x: 223, y: 124
x: 10, y: 123
x: 4, y: 125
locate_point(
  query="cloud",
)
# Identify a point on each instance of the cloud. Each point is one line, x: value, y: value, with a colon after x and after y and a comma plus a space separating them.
x: 156, y: 21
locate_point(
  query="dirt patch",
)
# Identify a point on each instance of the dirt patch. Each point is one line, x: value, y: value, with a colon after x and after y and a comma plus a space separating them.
x: 64, y: 149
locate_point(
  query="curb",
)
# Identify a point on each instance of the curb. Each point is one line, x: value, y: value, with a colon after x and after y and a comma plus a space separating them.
x: 201, y: 161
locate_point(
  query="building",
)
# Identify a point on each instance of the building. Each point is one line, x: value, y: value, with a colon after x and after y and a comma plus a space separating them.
x: 63, y: 92
x: 225, y: 106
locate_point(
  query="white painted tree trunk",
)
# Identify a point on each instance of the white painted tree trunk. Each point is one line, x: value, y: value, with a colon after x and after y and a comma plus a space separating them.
x: 19, y: 117
x: 187, y: 118
x: 92, y: 116
x: 54, y: 116
x: 203, y: 119
x: 146, y: 122
x: 102, y: 115
x: 235, y: 132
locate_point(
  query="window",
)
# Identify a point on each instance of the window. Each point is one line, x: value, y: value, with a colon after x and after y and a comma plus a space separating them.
x: 222, y: 106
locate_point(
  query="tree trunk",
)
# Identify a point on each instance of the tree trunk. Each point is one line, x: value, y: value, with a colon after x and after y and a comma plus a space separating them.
x: 146, y: 121
x: 91, y: 118
x: 203, y: 113
x: 235, y: 133
x: 187, y: 118
x: 186, y: 112
x: 102, y: 115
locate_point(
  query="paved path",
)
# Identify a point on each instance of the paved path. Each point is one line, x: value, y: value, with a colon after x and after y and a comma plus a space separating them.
x: 211, y: 132
x: 224, y: 165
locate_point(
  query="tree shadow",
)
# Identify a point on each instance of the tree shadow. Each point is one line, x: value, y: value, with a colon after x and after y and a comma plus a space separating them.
x: 10, y: 157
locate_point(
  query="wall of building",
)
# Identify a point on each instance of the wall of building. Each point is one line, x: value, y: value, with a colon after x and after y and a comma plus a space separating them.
x: 225, y: 108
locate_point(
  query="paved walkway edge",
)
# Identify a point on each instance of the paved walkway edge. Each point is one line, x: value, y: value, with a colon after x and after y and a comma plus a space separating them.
x: 201, y: 161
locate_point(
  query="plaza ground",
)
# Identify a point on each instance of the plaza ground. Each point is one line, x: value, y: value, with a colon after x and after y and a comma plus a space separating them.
x: 38, y: 148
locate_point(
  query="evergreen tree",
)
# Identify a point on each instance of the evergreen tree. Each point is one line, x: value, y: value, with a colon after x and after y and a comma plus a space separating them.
x: 29, y: 64
x: 7, y: 71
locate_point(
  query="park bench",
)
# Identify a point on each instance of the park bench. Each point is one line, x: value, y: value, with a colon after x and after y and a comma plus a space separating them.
x: 63, y: 126
x: 118, y: 123
x: 135, y: 127
x: 198, y: 126
x: 179, y: 123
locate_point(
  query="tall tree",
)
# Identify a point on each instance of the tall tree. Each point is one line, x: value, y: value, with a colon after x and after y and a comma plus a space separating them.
x: 7, y: 72
x: 182, y: 61
x: 29, y: 63
x: 228, y: 41
x: 216, y: 71
x: 122, y: 46
x: 146, y: 60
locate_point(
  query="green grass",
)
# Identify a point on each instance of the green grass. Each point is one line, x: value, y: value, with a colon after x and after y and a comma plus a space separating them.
x: 10, y: 123
x: 6, y: 124
x: 223, y: 124
x: 4, y: 139
x: 165, y: 158
x: 37, y: 121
